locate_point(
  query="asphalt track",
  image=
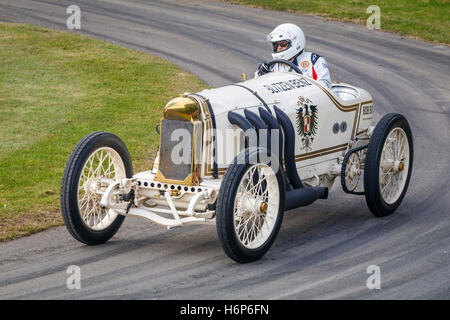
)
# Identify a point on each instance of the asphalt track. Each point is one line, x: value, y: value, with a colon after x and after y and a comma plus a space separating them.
x: 322, y: 251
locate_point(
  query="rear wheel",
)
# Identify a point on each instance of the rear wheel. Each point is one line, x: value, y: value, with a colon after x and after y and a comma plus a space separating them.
x: 97, y: 160
x: 388, y: 164
x: 250, y: 210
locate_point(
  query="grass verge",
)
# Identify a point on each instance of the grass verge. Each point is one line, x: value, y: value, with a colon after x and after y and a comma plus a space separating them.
x: 56, y: 87
x: 422, y: 19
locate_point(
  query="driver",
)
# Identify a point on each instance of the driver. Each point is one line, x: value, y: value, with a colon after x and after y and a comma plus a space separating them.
x: 288, y: 42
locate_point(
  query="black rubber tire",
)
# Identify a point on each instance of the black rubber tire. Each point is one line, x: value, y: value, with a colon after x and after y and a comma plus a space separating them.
x: 372, y: 192
x: 225, y: 214
x: 69, y: 186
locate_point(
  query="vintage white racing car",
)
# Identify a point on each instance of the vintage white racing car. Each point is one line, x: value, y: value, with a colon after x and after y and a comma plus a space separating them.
x: 254, y: 149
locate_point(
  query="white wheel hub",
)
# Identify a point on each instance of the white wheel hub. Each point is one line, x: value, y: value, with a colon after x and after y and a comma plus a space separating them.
x: 91, y: 186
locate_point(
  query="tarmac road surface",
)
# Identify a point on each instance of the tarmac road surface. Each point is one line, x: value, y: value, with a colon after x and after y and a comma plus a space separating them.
x: 322, y: 251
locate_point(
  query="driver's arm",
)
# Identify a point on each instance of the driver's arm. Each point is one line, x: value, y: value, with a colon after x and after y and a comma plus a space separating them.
x: 322, y: 72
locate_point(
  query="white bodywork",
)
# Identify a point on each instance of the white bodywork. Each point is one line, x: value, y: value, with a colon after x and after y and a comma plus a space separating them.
x: 345, y: 106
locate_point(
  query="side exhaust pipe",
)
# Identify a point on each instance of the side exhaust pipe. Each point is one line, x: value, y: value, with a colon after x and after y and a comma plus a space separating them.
x: 289, y: 148
x: 300, y: 196
x: 272, y: 123
x: 258, y: 124
x: 304, y: 196
x: 297, y: 195
x: 245, y: 126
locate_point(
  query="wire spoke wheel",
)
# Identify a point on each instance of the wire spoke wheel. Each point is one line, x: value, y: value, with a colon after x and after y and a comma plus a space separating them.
x: 388, y: 164
x: 256, y: 206
x: 352, y: 171
x: 250, y: 206
x: 394, y: 164
x: 103, y: 164
x: 98, y: 160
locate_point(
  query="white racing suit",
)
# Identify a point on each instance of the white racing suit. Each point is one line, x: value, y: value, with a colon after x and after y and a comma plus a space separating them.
x: 311, y: 64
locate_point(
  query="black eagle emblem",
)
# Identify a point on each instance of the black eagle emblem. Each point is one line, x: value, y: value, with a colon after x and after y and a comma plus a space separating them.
x: 307, y: 121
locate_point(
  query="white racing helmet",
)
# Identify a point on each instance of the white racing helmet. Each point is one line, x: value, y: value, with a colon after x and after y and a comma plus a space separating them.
x: 293, y: 35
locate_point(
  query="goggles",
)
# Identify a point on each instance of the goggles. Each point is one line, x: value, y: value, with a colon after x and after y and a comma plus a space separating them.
x: 283, y: 44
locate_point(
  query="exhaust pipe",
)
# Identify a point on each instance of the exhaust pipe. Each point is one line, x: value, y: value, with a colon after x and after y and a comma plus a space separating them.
x: 300, y: 196
x: 272, y: 123
x: 297, y: 195
x: 258, y: 124
x: 245, y: 126
x: 289, y: 148
x: 304, y: 196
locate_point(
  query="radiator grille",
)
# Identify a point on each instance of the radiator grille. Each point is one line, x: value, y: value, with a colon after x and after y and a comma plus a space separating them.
x: 169, y: 169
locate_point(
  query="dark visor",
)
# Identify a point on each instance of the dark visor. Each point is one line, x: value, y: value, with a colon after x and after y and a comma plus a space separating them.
x: 285, y: 44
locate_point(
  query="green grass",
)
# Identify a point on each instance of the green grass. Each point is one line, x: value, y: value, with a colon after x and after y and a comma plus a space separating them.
x: 423, y: 19
x: 56, y: 87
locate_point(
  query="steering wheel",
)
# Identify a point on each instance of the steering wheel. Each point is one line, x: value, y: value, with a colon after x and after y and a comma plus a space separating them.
x: 285, y: 62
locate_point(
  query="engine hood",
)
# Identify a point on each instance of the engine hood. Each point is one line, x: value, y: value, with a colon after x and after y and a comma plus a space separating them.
x: 272, y: 88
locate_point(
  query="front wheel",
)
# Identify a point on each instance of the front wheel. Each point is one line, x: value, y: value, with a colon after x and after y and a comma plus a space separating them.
x: 388, y: 164
x: 97, y: 160
x: 249, y: 210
